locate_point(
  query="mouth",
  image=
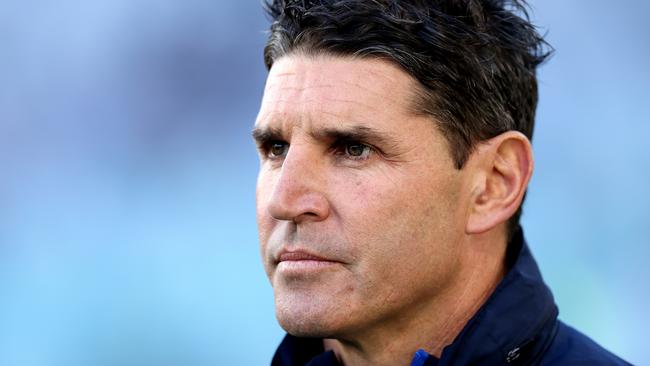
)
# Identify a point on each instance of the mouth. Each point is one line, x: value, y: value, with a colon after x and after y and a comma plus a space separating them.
x: 302, y: 262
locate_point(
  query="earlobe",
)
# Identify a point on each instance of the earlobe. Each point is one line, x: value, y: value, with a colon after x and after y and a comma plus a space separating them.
x: 505, y: 163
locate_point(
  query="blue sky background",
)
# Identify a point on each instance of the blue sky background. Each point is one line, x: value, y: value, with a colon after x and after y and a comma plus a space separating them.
x: 127, y: 226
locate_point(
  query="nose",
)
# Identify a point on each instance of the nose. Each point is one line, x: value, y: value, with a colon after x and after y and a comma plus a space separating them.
x: 299, y: 191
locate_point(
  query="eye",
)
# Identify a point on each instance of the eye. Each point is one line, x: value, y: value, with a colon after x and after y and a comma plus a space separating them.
x: 354, y: 150
x: 357, y: 150
x: 277, y: 149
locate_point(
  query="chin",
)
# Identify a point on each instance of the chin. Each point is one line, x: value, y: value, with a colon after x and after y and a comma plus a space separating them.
x: 306, y: 329
x: 309, y: 318
x: 301, y: 326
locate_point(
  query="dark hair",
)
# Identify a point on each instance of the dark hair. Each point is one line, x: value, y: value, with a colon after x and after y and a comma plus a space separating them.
x: 475, y: 59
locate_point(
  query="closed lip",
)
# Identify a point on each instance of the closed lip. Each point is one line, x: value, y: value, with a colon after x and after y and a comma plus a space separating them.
x: 301, y: 255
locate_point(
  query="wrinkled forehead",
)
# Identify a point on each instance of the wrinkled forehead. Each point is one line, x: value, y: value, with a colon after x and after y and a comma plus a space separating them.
x: 333, y: 84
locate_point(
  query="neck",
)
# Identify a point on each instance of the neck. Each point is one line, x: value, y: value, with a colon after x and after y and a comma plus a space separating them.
x: 435, y: 324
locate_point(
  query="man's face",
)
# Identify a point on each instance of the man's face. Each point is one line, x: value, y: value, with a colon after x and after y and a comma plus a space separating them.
x: 359, y: 207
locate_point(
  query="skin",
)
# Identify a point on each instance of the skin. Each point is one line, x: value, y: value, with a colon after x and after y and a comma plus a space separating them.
x: 370, y: 237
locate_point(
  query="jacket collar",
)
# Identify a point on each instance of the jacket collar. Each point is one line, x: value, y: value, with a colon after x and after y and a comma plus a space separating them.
x: 515, y: 325
x: 518, y: 321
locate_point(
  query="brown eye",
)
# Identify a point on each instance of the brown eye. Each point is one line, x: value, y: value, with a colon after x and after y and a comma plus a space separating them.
x: 356, y: 150
x: 278, y: 149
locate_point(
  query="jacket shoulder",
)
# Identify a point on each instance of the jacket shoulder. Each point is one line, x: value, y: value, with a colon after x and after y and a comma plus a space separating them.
x: 570, y: 347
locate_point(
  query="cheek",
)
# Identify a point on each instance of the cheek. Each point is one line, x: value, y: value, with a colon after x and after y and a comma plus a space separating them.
x: 263, y: 191
x: 398, y: 203
x: 264, y: 221
x: 401, y: 228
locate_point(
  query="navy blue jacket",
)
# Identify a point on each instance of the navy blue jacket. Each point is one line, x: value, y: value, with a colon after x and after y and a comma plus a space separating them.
x: 517, y: 325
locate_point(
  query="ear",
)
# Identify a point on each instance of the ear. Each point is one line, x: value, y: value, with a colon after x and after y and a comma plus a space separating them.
x: 504, y: 166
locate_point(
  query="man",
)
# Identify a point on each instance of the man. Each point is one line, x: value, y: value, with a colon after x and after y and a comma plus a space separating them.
x: 394, y: 139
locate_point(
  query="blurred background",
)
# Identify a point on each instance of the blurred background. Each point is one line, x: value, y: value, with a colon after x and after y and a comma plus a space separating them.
x: 127, y: 176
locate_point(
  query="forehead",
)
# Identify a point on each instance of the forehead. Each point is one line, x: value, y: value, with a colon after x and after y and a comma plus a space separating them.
x: 305, y: 89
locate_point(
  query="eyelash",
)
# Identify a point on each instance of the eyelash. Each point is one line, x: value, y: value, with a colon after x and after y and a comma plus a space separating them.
x: 339, y: 148
x: 268, y: 146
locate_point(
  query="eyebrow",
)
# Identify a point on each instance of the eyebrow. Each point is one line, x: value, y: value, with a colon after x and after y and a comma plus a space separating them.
x: 353, y: 133
x: 348, y: 133
x: 262, y: 135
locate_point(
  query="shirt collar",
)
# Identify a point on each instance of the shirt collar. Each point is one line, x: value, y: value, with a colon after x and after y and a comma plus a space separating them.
x: 514, y: 326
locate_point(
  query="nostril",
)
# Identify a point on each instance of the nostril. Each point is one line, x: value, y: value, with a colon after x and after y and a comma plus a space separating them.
x: 307, y: 216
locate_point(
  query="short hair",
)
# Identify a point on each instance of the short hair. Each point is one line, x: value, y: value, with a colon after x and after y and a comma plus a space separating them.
x: 475, y: 60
